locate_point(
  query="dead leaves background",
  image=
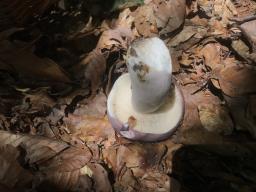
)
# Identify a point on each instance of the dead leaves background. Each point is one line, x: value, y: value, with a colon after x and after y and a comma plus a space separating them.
x: 56, y: 74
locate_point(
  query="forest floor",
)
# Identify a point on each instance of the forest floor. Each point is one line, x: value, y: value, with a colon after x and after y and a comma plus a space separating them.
x: 58, y: 62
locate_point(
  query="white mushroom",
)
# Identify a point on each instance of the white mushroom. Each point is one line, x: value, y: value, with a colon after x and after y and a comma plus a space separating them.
x: 144, y: 104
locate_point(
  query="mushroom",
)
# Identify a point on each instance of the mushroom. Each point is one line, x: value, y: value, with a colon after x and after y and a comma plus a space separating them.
x: 145, y: 104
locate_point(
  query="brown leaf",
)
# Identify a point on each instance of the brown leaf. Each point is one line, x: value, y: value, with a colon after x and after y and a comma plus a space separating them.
x: 145, y: 21
x: 249, y: 30
x: 237, y: 81
x: 212, y: 54
x: 23, y: 61
x: 243, y: 112
x: 12, y: 174
x: 118, y: 37
x: 159, y: 16
x: 191, y: 130
x: 37, y: 148
x: 137, y: 157
x: 36, y: 101
x: 95, y: 66
x: 91, y: 129
x: 187, y: 33
x: 67, y: 170
x: 215, y: 118
x: 170, y: 15
x: 100, y: 178
x: 19, y: 11
x: 155, y: 181
x: 96, y: 107
x: 126, y: 181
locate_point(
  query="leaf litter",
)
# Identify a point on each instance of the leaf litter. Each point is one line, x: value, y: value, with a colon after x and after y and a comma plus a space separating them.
x: 58, y: 62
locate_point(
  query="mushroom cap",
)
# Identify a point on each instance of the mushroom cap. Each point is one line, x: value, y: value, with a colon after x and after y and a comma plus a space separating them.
x: 135, y: 125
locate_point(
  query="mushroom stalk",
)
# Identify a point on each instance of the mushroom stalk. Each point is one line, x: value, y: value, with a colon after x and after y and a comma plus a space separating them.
x: 143, y: 105
x: 150, y: 68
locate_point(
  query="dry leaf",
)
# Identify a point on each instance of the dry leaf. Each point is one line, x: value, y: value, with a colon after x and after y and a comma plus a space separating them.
x: 243, y: 113
x: 100, y: 178
x: 91, y: 68
x: 66, y: 172
x: 249, y: 30
x: 215, y: 118
x: 91, y: 129
x: 145, y: 21
x: 12, y: 174
x: 95, y: 107
x: 191, y: 130
x: 160, y: 16
x: 183, y: 36
x: 212, y: 55
x: 237, y: 81
x: 153, y: 181
x: 37, y: 148
x: 118, y: 37
x: 169, y: 14
x: 19, y: 12
x: 24, y: 62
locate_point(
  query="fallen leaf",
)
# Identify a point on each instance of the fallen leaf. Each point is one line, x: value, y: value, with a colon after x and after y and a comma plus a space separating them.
x: 115, y: 38
x: 37, y: 148
x: 12, y: 174
x: 65, y: 171
x: 91, y: 129
x: 21, y: 58
x: 237, y: 81
x: 243, y: 113
x: 100, y: 178
x: 170, y: 15
x: 22, y: 11
x: 215, y: 118
x: 160, y: 17
x: 91, y: 68
x: 95, y: 107
x: 212, y: 55
x: 249, y: 30
x: 155, y: 181
x: 145, y: 22
x: 121, y: 4
x: 191, y: 130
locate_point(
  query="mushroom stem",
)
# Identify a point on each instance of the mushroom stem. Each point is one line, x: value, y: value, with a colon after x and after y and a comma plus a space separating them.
x: 150, y: 67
